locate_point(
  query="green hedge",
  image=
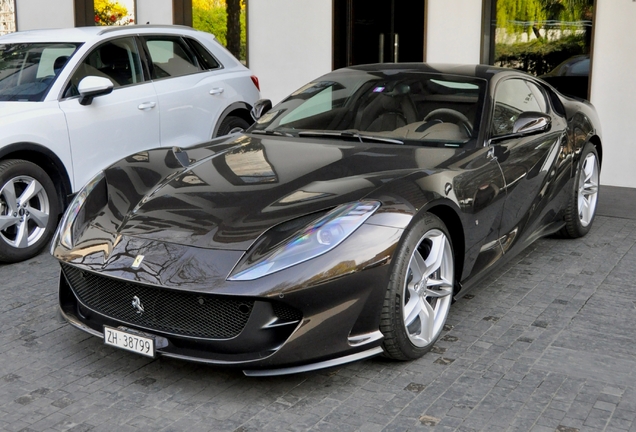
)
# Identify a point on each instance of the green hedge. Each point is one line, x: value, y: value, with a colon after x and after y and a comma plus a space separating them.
x: 538, y: 56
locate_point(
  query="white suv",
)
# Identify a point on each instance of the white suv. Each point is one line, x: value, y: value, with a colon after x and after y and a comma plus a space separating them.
x: 73, y: 101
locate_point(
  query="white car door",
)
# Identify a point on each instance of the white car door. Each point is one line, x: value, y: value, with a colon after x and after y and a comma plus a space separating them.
x: 115, y: 125
x: 191, y: 97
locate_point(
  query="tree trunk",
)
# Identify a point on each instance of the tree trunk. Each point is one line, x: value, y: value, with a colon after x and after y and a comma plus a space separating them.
x: 234, y: 27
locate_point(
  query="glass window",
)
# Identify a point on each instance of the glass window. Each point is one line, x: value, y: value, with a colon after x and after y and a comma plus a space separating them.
x: 539, y: 96
x: 170, y: 57
x: 512, y: 98
x: 409, y: 106
x: 117, y: 60
x: 549, y: 39
x: 28, y: 70
x: 206, y: 59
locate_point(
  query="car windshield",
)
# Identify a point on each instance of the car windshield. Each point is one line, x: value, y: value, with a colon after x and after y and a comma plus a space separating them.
x: 397, y: 106
x: 27, y: 70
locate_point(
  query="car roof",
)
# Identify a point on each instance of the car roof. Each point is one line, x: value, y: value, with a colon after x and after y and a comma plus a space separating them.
x: 469, y: 70
x: 87, y: 34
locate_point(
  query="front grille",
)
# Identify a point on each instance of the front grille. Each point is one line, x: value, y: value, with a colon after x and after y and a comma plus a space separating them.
x: 176, y: 312
x: 285, y: 313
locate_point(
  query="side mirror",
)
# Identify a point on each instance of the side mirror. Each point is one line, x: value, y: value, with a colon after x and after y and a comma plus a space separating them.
x: 93, y: 86
x: 261, y: 106
x: 531, y: 122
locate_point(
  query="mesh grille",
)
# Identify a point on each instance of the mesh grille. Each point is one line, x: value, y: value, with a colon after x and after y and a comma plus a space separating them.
x: 285, y: 313
x: 176, y: 312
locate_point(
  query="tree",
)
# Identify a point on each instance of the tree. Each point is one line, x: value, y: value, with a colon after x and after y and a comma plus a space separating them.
x: 109, y: 12
x: 233, y: 36
x: 213, y: 16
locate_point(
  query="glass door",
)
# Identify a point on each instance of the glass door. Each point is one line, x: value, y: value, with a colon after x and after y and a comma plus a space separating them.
x: 378, y: 31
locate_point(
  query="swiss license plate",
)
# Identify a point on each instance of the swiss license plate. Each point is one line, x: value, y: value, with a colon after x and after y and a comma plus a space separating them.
x: 129, y: 341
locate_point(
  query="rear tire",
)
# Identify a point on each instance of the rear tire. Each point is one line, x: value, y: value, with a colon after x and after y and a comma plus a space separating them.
x: 581, y: 208
x: 232, y: 124
x: 420, y: 290
x: 28, y: 210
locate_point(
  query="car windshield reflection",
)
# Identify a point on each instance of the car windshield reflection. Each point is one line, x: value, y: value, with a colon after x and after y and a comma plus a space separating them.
x: 394, y: 107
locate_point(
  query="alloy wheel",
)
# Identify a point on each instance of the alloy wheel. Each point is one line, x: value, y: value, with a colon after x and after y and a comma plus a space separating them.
x: 24, y: 211
x: 588, y: 189
x: 428, y: 288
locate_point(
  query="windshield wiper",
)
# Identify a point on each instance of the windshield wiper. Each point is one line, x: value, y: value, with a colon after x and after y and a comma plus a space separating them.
x: 349, y: 134
x: 269, y: 132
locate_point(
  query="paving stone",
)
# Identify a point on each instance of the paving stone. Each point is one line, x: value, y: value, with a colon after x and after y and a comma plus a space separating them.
x: 543, y: 344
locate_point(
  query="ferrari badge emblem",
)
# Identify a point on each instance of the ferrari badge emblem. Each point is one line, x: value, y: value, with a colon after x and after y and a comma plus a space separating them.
x: 137, y: 262
x: 136, y: 304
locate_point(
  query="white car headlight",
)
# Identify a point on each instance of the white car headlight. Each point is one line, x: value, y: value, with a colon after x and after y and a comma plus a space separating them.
x: 64, y: 234
x: 315, y: 239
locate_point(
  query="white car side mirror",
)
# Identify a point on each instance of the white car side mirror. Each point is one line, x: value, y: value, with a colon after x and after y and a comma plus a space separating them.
x: 93, y: 86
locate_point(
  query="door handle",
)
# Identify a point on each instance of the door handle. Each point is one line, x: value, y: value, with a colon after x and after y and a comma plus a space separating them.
x: 491, y: 153
x: 147, y: 105
x: 216, y: 91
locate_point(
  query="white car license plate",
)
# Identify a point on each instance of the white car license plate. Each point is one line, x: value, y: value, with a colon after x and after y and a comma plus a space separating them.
x: 129, y: 341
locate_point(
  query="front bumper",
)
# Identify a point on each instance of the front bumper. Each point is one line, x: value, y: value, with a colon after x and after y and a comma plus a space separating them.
x: 317, y: 314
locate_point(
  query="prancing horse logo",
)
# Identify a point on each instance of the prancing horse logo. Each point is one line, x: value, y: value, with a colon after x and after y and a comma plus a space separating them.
x: 136, y: 303
x: 137, y: 262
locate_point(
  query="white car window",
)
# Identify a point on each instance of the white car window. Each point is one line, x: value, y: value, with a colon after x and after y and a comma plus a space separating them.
x: 170, y: 57
x: 117, y: 60
x: 28, y: 70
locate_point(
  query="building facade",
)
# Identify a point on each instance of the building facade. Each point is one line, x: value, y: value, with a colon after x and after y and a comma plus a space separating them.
x: 291, y: 42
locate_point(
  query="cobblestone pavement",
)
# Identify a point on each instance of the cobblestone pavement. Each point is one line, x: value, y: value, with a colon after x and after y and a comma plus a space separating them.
x: 546, y: 344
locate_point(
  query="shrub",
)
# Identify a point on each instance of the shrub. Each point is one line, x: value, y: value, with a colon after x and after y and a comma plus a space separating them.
x: 538, y: 56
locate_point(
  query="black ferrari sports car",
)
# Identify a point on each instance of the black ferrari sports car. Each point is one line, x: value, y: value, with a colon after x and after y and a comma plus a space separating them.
x: 340, y: 226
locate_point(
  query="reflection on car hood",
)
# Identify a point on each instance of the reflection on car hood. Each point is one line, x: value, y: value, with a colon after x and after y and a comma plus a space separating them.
x: 225, y: 194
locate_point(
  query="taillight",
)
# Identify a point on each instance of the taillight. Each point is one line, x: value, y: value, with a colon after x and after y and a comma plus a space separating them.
x: 255, y: 81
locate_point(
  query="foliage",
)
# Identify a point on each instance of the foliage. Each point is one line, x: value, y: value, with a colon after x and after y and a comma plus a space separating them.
x: 537, y: 56
x: 540, y: 55
x: 509, y: 11
x: 211, y: 16
x: 109, y: 12
x: 514, y: 15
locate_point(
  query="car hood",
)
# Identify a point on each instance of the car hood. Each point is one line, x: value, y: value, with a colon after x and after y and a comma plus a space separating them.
x: 12, y: 110
x: 227, y: 193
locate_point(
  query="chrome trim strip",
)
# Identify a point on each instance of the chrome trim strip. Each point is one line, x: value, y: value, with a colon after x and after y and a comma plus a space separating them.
x: 314, y: 366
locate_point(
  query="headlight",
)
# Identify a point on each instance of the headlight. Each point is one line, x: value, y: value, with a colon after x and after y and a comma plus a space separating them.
x: 64, y: 233
x: 313, y: 240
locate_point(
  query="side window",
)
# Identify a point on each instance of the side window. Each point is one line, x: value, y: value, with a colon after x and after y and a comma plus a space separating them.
x: 207, y: 60
x: 539, y: 96
x: 170, y: 57
x: 512, y: 97
x: 117, y: 60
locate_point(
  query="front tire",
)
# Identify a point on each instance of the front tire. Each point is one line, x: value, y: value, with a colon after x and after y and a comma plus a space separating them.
x: 28, y: 210
x: 582, y: 204
x: 420, y: 290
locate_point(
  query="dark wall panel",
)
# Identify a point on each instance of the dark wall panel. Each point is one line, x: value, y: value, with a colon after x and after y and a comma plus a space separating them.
x: 84, y: 13
x: 182, y: 12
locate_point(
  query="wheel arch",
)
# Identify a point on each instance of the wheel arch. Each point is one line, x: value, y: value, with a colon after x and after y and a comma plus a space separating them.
x: 45, y: 159
x: 453, y: 223
x: 237, y: 109
x: 596, y: 140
